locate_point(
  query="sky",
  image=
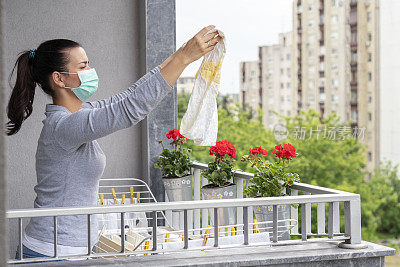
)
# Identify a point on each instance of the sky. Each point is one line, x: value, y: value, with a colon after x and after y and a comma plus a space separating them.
x: 246, y: 24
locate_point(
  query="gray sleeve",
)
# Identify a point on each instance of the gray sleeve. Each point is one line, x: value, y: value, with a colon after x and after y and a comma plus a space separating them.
x: 72, y: 130
x: 124, y: 94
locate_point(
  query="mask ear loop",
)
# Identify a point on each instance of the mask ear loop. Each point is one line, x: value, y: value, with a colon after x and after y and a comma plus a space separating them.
x: 67, y: 87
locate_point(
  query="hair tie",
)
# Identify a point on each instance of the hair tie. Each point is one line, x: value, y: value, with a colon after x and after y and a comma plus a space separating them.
x: 32, y: 53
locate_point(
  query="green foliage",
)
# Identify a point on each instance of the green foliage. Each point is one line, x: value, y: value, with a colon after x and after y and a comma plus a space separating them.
x: 270, y: 179
x: 219, y: 172
x: 337, y: 164
x: 173, y: 164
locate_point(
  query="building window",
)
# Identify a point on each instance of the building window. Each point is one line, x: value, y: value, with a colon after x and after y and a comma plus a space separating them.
x: 311, y: 69
x: 311, y: 7
x: 354, y: 36
x: 288, y: 98
x: 334, y: 35
x: 288, y: 113
x: 281, y: 71
x: 334, y: 19
x: 288, y: 72
x: 288, y: 56
x: 282, y: 85
x: 335, y: 68
x: 369, y: 116
x: 354, y: 56
x: 282, y: 99
x: 335, y: 82
x: 369, y: 97
x: 333, y: 2
x: 369, y: 156
x: 335, y: 98
x: 369, y: 76
x: 310, y: 22
x: 369, y: 16
x: 311, y: 84
x: 287, y: 85
x: 354, y: 115
x: 369, y: 36
x: 310, y: 53
x: 334, y: 51
x: 369, y: 57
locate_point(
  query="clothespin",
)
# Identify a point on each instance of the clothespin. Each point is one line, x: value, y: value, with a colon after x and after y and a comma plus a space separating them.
x: 146, y: 245
x: 255, y: 227
x: 114, y: 195
x: 138, y: 197
x: 131, y: 194
x: 166, y: 238
x: 101, y: 199
x: 183, y: 237
x: 123, y: 199
x: 233, y: 231
x: 219, y: 231
x: 206, y: 234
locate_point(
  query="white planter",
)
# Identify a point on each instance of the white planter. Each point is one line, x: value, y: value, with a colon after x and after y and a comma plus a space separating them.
x: 178, y: 189
x: 226, y: 216
x: 265, y: 214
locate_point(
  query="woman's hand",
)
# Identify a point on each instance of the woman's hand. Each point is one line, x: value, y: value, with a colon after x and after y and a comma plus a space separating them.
x: 199, y: 45
x: 189, y: 52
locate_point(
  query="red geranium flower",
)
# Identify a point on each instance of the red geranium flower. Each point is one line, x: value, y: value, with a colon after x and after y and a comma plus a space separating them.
x: 174, y: 133
x: 257, y: 151
x: 222, y: 148
x: 286, y: 151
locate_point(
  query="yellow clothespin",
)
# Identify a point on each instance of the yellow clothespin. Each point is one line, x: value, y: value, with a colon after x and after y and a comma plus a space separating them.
x: 101, y: 199
x: 206, y: 234
x: 114, y: 195
x: 183, y: 237
x: 131, y: 194
x: 146, y: 245
x: 123, y: 199
x: 219, y: 231
x: 166, y: 238
x: 255, y: 227
x: 138, y: 197
x: 233, y: 231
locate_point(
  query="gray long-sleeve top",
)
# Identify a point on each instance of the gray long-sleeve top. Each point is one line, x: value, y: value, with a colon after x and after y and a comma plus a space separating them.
x: 70, y: 162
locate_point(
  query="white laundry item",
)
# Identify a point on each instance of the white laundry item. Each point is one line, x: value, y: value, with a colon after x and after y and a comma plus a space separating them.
x: 200, y: 122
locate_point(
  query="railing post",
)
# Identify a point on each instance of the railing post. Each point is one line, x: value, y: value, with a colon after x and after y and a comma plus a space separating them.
x: 239, y: 210
x: 245, y: 225
x: 352, y: 217
x: 185, y: 229
x: 122, y: 232
x: 320, y: 218
x: 154, y: 233
x: 204, y: 212
x: 20, y: 238
x: 55, y: 235
x: 89, y: 230
x: 196, y: 188
x: 216, y: 232
x: 275, y: 223
x: 304, y: 219
x: 294, y: 213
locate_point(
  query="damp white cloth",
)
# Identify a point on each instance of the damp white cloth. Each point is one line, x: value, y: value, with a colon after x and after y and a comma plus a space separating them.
x: 200, y: 122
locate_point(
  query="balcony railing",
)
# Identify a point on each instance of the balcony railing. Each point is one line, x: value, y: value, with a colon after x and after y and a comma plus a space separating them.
x: 192, y: 216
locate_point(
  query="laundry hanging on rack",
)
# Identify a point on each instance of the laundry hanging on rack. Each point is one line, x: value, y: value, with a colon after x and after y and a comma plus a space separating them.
x: 200, y: 122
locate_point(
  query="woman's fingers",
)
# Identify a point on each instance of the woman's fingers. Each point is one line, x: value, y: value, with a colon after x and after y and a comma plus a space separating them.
x: 203, y: 31
x: 215, y: 40
x: 210, y: 36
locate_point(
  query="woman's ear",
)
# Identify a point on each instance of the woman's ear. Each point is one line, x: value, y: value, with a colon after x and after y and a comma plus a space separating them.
x: 57, y: 79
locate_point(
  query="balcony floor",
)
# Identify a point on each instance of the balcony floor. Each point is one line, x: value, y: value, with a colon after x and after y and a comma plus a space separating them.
x: 308, y: 254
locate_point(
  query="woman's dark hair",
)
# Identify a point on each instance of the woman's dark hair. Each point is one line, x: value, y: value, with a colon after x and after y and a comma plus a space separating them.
x: 35, y: 67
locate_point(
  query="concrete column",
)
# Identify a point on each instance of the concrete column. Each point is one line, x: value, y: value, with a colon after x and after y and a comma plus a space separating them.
x: 3, y: 184
x: 157, y: 42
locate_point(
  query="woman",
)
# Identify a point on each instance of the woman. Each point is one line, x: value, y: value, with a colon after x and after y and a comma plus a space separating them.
x: 69, y: 161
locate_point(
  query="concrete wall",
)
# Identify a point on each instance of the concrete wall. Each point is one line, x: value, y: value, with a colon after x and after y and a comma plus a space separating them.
x: 110, y: 32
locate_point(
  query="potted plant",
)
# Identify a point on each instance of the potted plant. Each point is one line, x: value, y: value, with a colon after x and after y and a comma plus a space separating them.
x: 220, y: 177
x: 272, y: 180
x: 175, y: 165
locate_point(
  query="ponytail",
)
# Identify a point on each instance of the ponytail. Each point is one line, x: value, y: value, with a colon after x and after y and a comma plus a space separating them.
x: 20, y: 105
x: 33, y: 68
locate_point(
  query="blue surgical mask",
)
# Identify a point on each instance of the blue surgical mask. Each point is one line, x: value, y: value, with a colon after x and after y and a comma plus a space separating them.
x: 89, y: 83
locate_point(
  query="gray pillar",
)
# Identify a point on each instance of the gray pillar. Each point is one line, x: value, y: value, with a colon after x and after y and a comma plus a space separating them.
x: 3, y: 188
x: 157, y: 42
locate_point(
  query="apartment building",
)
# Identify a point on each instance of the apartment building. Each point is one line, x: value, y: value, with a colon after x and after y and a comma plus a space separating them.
x: 185, y: 85
x: 267, y: 82
x: 336, y: 64
x: 250, y: 95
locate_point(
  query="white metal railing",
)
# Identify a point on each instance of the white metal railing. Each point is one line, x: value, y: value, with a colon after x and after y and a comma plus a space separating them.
x: 186, y: 216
